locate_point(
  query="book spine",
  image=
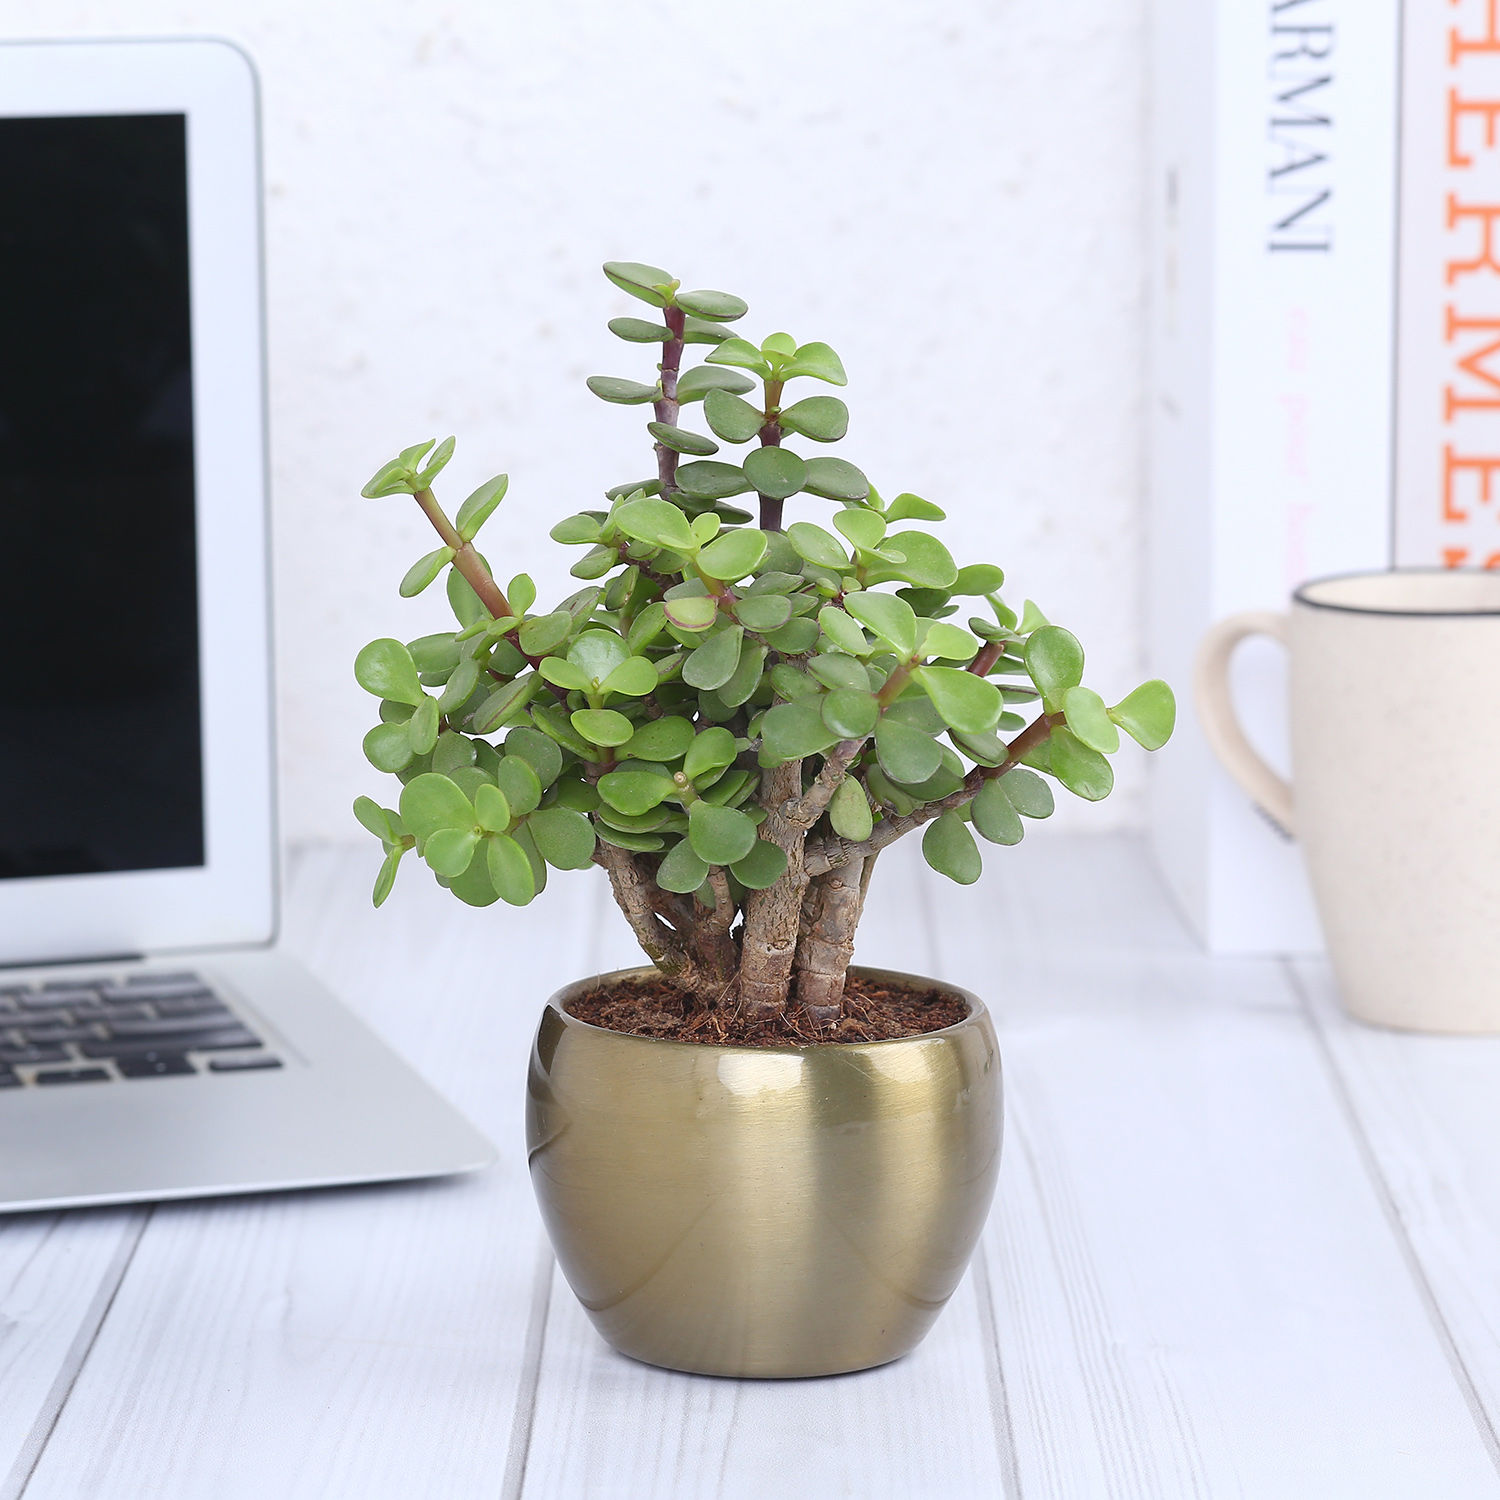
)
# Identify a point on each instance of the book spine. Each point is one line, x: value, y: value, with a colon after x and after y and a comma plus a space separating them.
x: 1279, y: 468
x: 1448, y: 387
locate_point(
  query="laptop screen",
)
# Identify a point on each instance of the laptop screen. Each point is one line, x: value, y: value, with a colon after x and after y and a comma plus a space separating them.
x: 101, y: 763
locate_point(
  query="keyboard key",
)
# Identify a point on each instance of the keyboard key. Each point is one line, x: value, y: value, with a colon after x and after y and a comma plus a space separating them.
x: 72, y: 1075
x: 74, y: 983
x: 21, y: 1055
x: 57, y: 1033
x: 9, y: 1080
x: 170, y: 1025
x: 206, y: 1041
x: 189, y: 1005
x: 163, y: 979
x: 56, y: 998
x: 253, y: 1062
x: 154, y: 1065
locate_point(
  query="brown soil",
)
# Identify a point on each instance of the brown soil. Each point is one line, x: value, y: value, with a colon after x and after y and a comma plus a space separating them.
x: 873, y: 1012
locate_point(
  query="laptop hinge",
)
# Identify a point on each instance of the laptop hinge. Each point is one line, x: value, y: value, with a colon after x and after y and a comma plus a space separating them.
x: 58, y: 963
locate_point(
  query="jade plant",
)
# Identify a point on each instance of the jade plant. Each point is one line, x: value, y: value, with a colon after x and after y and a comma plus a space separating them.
x: 738, y: 711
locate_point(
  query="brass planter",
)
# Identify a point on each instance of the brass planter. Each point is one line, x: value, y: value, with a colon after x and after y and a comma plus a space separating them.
x: 763, y: 1211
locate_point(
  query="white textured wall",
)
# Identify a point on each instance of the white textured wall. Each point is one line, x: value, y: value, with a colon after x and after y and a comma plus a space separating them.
x: 949, y: 194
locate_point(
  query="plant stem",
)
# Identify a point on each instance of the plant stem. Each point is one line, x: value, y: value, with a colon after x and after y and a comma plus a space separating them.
x: 465, y: 558
x: 770, y: 437
x: 668, y: 407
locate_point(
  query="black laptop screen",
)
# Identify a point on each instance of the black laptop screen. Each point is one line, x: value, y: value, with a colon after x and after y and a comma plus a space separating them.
x: 100, y: 745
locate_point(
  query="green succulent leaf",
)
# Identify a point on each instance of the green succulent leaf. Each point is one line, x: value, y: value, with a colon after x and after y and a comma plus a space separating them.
x: 908, y: 507
x: 1089, y: 719
x: 850, y: 713
x: 664, y: 739
x: 423, y: 571
x: 635, y: 792
x: 1054, y: 660
x: 977, y: 578
x: 480, y: 506
x: 386, y: 669
x: 763, y: 612
x: 649, y: 283
x: 692, y: 611
x: 849, y: 811
x: 561, y: 672
x: 711, y: 750
x: 707, y: 479
x: 995, y: 815
x: 734, y: 420
x: 743, y: 354
x: 505, y: 705
x: 545, y: 633
x: 695, y: 384
x: 601, y: 726
x: 388, y: 748
x: 733, y: 554
x: 639, y: 331
x: 1084, y: 771
x: 817, y: 360
x: 891, y: 618
x: 682, y: 870
x: 622, y: 392
x: 383, y: 823
x: 843, y: 631
x: 597, y: 653
x: 821, y: 548
x: 721, y: 307
x: 509, y: 869
x: 865, y: 528
x: 432, y: 801
x: 949, y: 848
x: 712, y: 664
x: 835, y: 479
x: 657, y: 522
x: 517, y: 779
x: 720, y: 835
x: 775, y: 472
x: 790, y: 731
x: 925, y: 561
x: 906, y: 753
x: 385, y: 879
x: 680, y: 440
x: 1031, y: 619
x: 564, y: 838
x: 949, y: 642
x: 449, y: 850
x: 762, y: 867
x: 824, y: 419
x: 1148, y: 715
x: 491, y: 809
x: 422, y: 727
x: 703, y: 331
x: 635, y: 677
x: 1028, y: 793
x: 967, y: 702
x: 534, y: 747
x: 836, y: 670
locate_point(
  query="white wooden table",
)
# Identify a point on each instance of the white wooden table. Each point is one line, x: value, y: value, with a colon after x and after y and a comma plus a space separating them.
x: 1241, y: 1247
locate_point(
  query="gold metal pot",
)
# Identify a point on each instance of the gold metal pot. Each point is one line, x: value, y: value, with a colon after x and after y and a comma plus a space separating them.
x: 769, y: 1211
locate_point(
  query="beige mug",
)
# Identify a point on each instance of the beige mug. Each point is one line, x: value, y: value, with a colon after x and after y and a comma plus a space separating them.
x: 1395, y: 790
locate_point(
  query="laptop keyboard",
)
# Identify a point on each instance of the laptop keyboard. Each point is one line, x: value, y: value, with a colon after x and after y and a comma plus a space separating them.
x: 140, y: 1026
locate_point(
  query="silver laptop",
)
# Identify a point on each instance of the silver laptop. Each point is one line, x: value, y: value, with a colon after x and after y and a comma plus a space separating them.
x: 153, y: 1042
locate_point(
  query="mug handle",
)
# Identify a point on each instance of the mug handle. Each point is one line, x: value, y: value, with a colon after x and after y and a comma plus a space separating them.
x: 1216, y: 711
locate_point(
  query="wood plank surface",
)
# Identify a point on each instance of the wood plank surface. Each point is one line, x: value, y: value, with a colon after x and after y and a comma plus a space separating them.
x: 1198, y: 1292
x: 1241, y: 1247
x: 1429, y: 1109
x: 361, y: 1342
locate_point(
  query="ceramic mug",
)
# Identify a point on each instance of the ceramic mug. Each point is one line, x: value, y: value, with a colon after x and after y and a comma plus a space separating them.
x: 1395, y: 790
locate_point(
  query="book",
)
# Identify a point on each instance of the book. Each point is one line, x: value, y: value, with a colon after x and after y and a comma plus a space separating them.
x: 1274, y: 132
